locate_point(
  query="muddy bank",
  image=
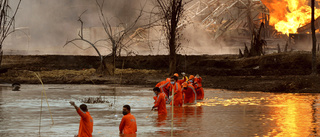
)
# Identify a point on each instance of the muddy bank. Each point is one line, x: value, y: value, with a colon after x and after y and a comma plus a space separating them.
x: 284, y: 72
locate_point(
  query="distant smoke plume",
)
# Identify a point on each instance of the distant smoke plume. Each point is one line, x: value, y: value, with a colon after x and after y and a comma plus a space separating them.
x: 198, y: 41
x: 49, y: 23
x: 46, y: 25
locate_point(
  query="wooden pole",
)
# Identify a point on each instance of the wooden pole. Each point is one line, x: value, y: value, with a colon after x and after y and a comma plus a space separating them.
x: 314, y: 41
x: 172, y: 111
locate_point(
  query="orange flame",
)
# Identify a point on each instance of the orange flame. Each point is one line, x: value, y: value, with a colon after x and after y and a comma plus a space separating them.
x: 288, y: 15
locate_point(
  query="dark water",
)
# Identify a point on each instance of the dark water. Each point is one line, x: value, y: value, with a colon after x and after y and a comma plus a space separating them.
x: 222, y: 113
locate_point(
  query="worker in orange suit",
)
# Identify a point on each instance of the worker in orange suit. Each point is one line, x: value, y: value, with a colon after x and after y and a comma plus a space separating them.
x: 176, y: 88
x: 164, y: 86
x: 191, y: 79
x: 198, y: 86
x: 189, y: 93
x: 128, y: 123
x: 86, y: 121
x: 162, y: 82
x: 180, y: 81
x: 161, y: 102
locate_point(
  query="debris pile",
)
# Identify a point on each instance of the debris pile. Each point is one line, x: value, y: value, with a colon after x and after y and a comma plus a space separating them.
x: 94, y: 100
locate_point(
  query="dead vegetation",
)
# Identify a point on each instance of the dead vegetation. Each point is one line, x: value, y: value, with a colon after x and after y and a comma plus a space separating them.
x: 7, y: 19
x: 117, y: 38
x: 257, y: 44
x: 278, y: 72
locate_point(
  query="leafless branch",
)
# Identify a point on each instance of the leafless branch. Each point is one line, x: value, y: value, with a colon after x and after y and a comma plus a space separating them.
x: 5, y: 20
x: 80, y: 39
x: 81, y: 29
x: 117, y: 38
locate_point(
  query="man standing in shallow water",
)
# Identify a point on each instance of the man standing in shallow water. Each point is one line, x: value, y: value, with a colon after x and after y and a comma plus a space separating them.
x: 86, y: 121
x: 128, y: 123
x: 160, y: 102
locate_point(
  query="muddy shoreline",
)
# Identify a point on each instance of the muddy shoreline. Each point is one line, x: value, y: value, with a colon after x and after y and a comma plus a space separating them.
x: 284, y: 72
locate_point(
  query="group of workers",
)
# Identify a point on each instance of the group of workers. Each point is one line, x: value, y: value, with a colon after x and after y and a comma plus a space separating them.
x: 172, y: 90
x: 127, y: 125
x: 179, y: 92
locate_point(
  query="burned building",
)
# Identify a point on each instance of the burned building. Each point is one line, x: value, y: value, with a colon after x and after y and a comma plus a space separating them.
x: 303, y: 39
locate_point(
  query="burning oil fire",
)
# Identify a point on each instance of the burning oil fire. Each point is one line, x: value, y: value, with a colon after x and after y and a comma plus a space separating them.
x: 288, y: 15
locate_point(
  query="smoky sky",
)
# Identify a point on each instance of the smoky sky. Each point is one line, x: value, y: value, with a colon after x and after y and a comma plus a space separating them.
x: 52, y: 22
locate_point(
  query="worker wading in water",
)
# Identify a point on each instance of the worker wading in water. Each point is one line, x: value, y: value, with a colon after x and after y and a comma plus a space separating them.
x: 128, y: 123
x: 196, y: 82
x: 86, y: 121
x: 198, y: 86
x: 176, y: 88
x: 160, y: 102
x: 164, y: 88
x: 189, y: 93
x: 181, y: 80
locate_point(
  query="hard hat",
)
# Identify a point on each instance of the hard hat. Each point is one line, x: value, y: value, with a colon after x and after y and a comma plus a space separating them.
x: 191, y: 77
x: 168, y: 79
x: 176, y: 74
x: 183, y: 73
x: 184, y: 84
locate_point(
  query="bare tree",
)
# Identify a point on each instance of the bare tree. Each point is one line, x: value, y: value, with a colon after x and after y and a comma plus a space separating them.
x: 171, y: 13
x: 116, y: 38
x: 6, y: 21
x: 117, y: 35
x: 81, y: 38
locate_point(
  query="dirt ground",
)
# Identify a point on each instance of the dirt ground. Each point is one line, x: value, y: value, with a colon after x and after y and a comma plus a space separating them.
x: 282, y: 72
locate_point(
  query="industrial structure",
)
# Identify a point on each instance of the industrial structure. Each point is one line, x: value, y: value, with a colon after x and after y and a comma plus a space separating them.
x: 303, y: 38
x: 220, y: 16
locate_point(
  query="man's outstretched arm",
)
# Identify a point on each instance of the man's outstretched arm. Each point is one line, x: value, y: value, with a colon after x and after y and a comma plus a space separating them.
x: 73, y: 104
x: 81, y: 114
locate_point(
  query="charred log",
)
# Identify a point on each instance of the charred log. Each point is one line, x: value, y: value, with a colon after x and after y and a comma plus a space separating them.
x: 240, y: 54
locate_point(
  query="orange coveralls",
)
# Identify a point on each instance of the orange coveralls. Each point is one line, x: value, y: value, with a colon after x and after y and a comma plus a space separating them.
x: 181, y: 81
x: 198, y: 86
x: 161, y: 104
x: 190, y: 94
x: 86, y: 124
x: 162, y: 82
x: 128, y: 124
x: 177, y: 94
x: 164, y: 86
